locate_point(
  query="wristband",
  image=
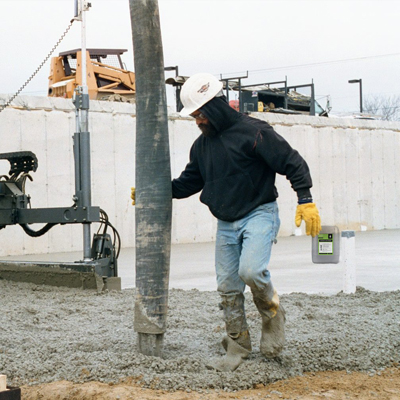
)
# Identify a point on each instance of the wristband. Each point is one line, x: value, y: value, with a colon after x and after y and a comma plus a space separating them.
x: 305, y: 200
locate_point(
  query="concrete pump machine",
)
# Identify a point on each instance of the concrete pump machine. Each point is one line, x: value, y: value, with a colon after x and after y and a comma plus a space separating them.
x: 98, y: 268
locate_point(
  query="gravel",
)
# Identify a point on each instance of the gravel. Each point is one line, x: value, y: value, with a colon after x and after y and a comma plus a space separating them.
x: 49, y: 334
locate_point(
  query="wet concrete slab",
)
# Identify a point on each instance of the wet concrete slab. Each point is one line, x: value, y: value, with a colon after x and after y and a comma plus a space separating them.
x: 291, y: 266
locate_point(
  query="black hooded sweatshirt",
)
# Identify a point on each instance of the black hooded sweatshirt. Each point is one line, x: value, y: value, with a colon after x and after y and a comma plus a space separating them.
x: 236, y: 168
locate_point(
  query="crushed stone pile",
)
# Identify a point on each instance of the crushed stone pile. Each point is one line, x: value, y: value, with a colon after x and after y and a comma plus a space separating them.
x: 49, y: 334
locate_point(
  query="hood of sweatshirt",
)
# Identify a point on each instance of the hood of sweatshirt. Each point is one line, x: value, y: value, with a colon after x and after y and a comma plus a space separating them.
x: 220, y: 114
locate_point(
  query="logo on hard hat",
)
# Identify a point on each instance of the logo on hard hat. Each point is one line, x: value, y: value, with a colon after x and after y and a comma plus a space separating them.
x: 204, y: 88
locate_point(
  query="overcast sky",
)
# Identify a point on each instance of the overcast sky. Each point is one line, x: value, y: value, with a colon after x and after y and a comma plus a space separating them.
x: 326, y: 41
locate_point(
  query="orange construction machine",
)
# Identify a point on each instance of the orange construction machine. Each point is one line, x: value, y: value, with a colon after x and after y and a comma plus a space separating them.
x: 107, y: 77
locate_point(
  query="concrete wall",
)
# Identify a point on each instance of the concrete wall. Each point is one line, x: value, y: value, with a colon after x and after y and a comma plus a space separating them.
x: 354, y: 164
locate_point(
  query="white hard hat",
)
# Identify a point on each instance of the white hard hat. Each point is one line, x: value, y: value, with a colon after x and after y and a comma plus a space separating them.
x: 197, y: 91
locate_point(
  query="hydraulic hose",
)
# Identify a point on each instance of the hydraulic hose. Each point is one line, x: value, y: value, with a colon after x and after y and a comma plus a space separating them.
x: 38, y: 233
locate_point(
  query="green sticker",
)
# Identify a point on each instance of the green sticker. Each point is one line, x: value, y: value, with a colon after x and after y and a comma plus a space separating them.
x: 325, y: 244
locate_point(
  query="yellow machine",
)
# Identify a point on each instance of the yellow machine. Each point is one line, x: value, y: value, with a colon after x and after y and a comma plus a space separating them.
x: 107, y: 79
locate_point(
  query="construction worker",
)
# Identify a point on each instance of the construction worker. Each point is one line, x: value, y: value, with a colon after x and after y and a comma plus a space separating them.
x: 234, y: 163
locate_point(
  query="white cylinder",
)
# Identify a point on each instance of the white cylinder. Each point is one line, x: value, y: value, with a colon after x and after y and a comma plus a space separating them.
x: 83, y: 48
x: 3, y: 383
x: 349, y: 261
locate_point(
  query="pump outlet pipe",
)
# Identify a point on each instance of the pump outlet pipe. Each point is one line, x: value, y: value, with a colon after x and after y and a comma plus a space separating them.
x: 153, y: 180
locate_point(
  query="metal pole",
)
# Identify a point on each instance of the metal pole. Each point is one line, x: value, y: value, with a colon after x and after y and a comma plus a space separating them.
x: 239, y: 79
x: 85, y: 144
x: 227, y: 90
x: 177, y: 92
x: 83, y: 41
x: 240, y: 96
x: 312, y: 105
x: 286, y: 93
x: 83, y: 197
x: 77, y: 157
x: 359, y: 81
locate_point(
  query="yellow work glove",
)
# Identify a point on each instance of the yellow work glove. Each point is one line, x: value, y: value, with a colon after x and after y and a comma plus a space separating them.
x: 308, y: 213
x: 133, y: 195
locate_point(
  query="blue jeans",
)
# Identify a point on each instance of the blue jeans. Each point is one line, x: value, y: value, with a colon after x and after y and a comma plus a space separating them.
x: 243, y: 250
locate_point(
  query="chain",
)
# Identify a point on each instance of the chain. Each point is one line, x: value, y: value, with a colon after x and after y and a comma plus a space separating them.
x: 3, y: 106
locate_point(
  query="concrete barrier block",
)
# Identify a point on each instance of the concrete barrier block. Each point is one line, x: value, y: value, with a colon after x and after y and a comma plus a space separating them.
x: 331, y: 147
x: 61, y: 104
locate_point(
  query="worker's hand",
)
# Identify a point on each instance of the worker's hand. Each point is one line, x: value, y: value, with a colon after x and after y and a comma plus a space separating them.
x: 308, y: 213
x: 133, y: 195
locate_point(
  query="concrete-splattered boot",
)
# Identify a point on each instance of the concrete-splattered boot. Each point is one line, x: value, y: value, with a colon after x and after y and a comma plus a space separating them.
x: 237, y: 342
x: 235, y: 353
x: 273, y: 321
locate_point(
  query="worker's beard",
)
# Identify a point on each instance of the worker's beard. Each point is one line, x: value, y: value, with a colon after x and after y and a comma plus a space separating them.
x: 207, y: 130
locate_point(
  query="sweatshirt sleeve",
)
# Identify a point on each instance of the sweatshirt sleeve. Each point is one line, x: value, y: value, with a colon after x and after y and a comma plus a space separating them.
x: 190, y: 181
x: 284, y: 160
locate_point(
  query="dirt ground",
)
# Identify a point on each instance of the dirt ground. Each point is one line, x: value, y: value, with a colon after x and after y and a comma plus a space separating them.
x: 383, y: 385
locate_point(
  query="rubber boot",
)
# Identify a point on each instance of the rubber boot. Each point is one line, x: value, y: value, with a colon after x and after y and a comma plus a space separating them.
x: 273, y: 321
x: 235, y: 354
x: 234, y: 314
x: 242, y: 339
x: 237, y: 342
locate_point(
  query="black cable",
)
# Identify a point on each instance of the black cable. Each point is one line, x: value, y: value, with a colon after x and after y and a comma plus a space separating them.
x: 105, y: 216
x: 104, y: 221
x: 117, y: 238
x: 256, y: 71
x: 38, y: 233
x: 116, y: 241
